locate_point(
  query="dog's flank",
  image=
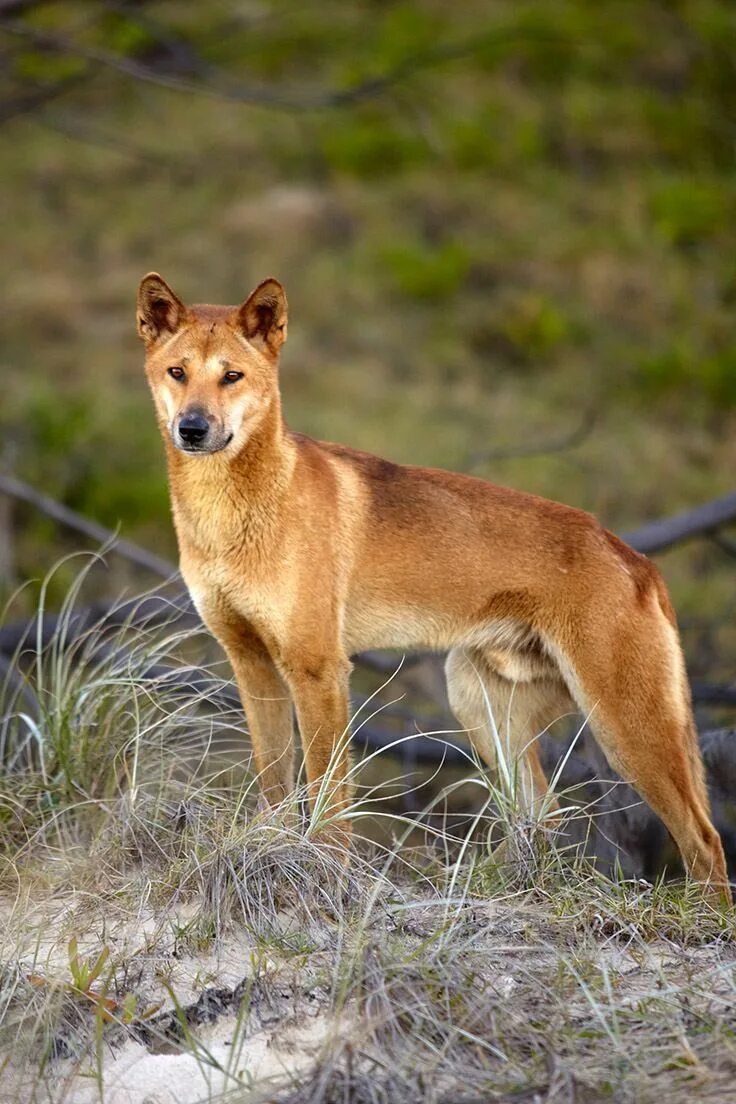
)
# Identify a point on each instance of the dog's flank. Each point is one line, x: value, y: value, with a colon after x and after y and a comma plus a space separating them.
x: 299, y: 553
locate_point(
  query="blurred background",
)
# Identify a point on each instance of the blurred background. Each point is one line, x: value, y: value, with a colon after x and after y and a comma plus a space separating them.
x: 506, y: 229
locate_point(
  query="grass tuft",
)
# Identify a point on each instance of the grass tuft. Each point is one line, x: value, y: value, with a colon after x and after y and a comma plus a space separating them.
x: 151, y: 905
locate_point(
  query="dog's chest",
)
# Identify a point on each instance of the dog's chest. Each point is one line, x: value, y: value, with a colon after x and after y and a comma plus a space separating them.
x: 227, y: 591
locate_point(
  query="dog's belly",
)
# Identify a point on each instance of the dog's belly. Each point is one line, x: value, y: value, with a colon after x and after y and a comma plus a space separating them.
x: 511, y: 648
x: 394, y: 626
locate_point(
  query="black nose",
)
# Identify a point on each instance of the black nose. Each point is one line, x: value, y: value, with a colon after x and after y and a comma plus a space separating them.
x: 193, y: 428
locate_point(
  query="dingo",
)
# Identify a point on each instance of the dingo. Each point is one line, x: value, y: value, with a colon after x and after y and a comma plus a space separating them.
x: 299, y: 553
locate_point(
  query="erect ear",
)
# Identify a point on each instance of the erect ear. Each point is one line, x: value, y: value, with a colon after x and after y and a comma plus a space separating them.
x: 262, y: 317
x: 159, y: 310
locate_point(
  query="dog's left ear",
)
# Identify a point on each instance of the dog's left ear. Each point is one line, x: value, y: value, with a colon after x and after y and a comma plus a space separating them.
x: 262, y: 317
x: 158, y: 309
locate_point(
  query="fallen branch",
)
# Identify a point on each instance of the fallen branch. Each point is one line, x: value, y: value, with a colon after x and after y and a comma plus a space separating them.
x: 707, y: 693
x: 24, y: 492
x: 139, y: 613
x: 700, y: 522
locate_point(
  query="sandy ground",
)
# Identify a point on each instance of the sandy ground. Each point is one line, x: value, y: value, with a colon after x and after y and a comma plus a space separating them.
x: 290, y: 1023
x: 133, y: 1076
x: 228, y: 1053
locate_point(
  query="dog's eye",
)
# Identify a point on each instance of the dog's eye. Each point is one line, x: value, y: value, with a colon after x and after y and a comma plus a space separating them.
x: 176, y: 373
x: 232, y: 377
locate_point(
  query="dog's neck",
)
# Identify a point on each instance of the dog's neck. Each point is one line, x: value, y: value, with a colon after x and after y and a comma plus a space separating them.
x: 236, y: 497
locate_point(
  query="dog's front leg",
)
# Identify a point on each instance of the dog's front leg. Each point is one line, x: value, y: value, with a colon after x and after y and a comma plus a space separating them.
x: 268, y: 710
x: 319, y: 686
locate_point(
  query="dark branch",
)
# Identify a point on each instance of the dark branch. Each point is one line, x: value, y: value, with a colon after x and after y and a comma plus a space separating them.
x: 568, y: 440
x: 139, y: 613
x: 706, y: 693
x: 71, y: 519
x: 702, y: 521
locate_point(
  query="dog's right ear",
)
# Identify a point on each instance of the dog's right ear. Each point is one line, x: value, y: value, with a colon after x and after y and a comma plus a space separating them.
x: 158, y: 310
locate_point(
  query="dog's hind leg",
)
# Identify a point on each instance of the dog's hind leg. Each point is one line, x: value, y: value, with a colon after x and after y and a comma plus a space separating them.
x: 501, y: 714
x: 628, y: 674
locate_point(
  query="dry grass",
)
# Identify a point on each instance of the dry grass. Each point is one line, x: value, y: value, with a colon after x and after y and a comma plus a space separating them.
x: 164, y: 938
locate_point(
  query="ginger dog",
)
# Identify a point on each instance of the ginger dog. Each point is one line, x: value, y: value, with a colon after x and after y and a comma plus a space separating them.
x: 299, y: 553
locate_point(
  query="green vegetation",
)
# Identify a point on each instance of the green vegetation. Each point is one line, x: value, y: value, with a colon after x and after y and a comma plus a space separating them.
x: 531, y: 218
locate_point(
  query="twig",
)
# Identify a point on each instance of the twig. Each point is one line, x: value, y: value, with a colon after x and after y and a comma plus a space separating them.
x: 220, y: 85
x: 569, y: 440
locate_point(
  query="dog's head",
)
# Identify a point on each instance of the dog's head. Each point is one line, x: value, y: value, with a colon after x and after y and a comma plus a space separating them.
x: 212, y: 370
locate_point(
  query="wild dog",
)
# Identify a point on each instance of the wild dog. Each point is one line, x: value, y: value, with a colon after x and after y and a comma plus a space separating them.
x: 299, y: 553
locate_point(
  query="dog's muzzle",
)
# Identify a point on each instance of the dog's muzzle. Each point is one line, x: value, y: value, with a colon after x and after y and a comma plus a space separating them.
x: 193, y: 432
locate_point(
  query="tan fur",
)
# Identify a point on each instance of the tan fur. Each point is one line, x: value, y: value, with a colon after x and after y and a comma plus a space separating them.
x: 299, y: 553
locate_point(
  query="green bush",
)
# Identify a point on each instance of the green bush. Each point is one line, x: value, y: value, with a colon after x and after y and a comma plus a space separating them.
x: 370, y: 145
x: 679, y: 370
x: 423, y: 271
x: 535, y: 327
x: 688, y: 210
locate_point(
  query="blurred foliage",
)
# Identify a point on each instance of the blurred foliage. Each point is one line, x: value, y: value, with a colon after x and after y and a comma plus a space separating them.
x: 489, y: 218
x: 421, y: 270
x: 535, y: 327
x: 688, y: 211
